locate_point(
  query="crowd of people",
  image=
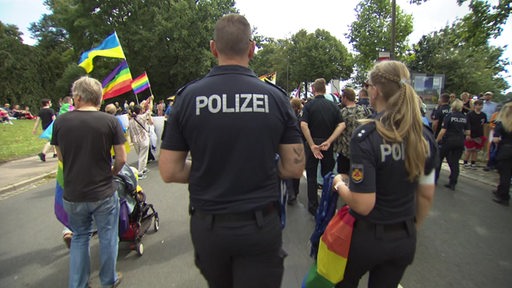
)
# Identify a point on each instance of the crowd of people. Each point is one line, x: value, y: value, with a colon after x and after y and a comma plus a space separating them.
x: 7, y: 114
x: 466, y: 128
x: 385, y: 151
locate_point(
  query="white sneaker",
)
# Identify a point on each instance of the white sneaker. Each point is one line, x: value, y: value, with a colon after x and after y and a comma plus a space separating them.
x: 466, y: 165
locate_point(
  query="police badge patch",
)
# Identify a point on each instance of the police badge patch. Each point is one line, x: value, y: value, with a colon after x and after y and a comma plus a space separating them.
x: 357, y: 174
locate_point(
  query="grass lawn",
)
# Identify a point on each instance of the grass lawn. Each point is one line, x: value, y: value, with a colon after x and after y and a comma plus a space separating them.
x: 17, y: 141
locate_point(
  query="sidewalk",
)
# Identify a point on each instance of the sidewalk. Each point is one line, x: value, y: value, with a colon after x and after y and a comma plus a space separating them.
x: 20, y: 173
x: 23, y: 172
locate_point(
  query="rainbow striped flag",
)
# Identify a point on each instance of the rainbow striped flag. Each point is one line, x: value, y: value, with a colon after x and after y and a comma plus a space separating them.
x: 333, y: 250
x: 140, y: 83
x: 117, y: 82
x: 58, y: 206
x: 110, y: 47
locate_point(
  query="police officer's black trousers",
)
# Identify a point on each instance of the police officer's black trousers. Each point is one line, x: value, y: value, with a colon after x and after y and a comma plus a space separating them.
x: 504, y: 165
x: 239, y: 253
x: 452, y: 155
x: 327, y: 165
x: 384, y: 251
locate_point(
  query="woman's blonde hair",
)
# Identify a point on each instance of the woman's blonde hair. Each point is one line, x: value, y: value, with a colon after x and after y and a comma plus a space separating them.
x: 457, y: 105
x: 401, y: 119
x: 505, y: 116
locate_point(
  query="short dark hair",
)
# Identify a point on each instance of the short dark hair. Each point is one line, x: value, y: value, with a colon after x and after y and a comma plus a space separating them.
x: 232, y: 35
x: 445, y: 97
x: 45, y: 101
x: 349, y: 93
x: 478, y: 102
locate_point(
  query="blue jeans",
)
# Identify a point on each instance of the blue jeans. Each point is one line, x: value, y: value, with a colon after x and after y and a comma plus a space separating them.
x: 106, y: 216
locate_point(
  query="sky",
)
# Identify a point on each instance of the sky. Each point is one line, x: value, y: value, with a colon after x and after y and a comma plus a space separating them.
x: 283, y: 18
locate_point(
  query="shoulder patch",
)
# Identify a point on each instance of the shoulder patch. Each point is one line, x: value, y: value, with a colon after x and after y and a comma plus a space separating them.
x: 357, y: 173
x: 363, y: 131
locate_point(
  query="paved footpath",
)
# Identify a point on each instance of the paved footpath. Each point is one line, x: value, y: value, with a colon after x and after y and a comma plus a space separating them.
x: 463, y: 226
x: 23, y: 173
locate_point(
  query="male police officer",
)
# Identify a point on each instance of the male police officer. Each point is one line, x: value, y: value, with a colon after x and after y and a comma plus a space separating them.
x: 438, y: 115
x: 234, y: 125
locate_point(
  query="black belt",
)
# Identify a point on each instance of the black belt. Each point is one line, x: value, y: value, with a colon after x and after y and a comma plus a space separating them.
x: 236, y: 217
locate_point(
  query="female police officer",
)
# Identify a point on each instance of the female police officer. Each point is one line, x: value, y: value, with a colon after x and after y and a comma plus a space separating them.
x: 392, y: 159
x: 451, y: 141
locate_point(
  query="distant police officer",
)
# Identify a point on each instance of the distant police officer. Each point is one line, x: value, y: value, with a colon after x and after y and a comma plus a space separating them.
x: 438, y: 114
x: 391, y: 180
x: 454, y: 130
x: 233, y: 124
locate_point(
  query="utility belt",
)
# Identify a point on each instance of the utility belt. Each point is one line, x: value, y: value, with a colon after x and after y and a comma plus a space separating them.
x: 257, y: 215
x: 384, y: 230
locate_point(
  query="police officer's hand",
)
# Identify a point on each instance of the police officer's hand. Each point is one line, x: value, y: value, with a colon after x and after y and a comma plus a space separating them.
x: 337, y: 182
x: 316, y: 152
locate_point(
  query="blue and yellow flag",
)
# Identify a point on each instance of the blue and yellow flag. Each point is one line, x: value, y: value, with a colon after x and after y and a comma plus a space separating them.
x: 110, y: 47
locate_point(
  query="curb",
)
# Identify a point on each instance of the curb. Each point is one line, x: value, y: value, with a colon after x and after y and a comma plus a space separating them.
x: 24, y: 183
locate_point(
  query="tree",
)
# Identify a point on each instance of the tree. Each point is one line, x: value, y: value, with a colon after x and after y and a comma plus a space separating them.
x: 371, y: 33
x: 272, y: 57
x: 461, y: 51
x: 23, y: 77
x: 166, y: 38
x: 318, y: 55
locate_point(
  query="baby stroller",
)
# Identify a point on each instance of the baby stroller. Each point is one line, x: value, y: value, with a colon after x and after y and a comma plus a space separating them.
x: 135, y: 215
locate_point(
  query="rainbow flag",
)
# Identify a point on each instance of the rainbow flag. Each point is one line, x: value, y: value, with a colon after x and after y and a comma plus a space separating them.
x: 58, y: 206
x: 110, y: 47
x: 117, y: 82
x: 333, y: 250
x: 140, y: 83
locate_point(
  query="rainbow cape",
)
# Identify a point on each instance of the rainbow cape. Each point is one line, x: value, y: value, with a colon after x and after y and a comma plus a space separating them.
x: 58, y: 206
x: 110, y: 47
x: 333, y: 250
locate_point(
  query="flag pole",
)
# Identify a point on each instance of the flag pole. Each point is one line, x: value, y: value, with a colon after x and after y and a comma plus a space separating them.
x: 137, y: 98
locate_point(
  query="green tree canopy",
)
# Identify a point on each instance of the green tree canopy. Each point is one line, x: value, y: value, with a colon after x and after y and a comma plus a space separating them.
x: 371, y: 33
x: 462, y: 51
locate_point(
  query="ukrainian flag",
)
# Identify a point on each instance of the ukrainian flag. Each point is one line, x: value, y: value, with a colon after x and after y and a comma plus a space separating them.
x: 110, y: 47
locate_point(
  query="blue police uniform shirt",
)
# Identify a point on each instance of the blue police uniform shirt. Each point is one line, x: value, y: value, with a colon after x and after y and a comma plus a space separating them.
x: 455, y: 124
x: 439, y: 115
x: 232, y: 123
x: 379, y: 166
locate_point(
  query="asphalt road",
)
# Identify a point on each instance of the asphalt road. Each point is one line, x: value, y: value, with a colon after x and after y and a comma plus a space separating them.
x: 466, y: 241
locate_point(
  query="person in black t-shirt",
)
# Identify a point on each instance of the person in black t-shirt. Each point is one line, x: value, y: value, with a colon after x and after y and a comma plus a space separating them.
x: 467, y: 105
x: 321, y: 124
x: 45, y: 117
x: 233, y: 124
x: 391, y: 188
x: 476, y: 120
x: 503, y: 136
x: 438, y: 115
x: 455, y: 129
x: 83, y: 139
